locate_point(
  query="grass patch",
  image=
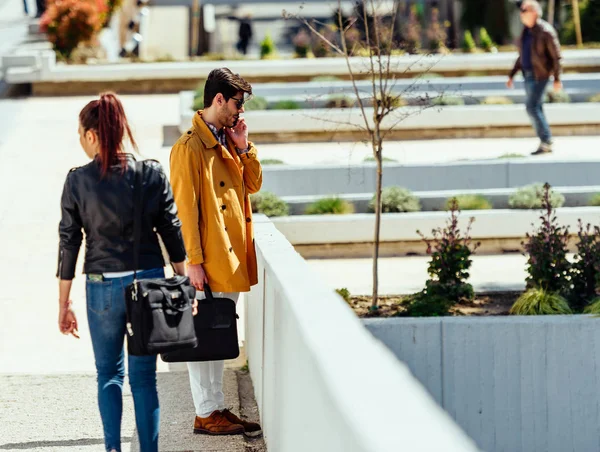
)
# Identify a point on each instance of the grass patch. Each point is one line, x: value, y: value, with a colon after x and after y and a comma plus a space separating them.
x: 330, y: 206
x: 470, y: 202
x: 512, y: 155
x: 272, y: 162
x: 595, y: 200
x: 540, y: 302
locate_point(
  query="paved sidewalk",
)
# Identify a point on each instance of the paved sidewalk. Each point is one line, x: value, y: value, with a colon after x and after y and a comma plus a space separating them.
x: 406, y: 275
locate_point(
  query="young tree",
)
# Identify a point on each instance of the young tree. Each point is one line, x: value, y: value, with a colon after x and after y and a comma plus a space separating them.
x: 382, y: 110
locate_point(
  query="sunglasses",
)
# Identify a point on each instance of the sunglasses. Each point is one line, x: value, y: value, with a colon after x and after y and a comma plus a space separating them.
x: 239, y: 103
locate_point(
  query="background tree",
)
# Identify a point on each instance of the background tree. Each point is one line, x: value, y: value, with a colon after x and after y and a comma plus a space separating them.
x: 382, y: 107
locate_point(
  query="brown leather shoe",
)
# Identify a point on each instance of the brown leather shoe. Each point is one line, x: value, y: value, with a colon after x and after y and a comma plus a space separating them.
x: 216, y: 424
x: 251, y: 429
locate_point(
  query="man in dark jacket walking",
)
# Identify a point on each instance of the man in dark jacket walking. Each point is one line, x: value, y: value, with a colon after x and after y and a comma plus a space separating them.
x: 539, y: 59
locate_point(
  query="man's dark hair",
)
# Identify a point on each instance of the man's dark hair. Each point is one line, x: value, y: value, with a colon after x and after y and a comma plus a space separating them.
x: 225, y: 82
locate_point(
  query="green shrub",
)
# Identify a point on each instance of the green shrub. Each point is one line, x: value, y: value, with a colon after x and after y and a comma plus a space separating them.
x: 345, y: 294
x: 256, y: 103
x: 468, y: 44
x: 540, y: 302
x: 447, y: 100
x: 470, y: 202
x: 422, y: 304
x: 595, y: 200
x: 450, y: 252
x: 497, y: 100
x: 585, y: 269
x: 340, y: 102
x: 395, y: 200
x: 546, y: 248
x: 557, y: 97
x: 371, y: 159
x: 330, y: 206
x: 593, y: 307
x: 272, y: 162
x: 269, y: 204
x: 267, y: 48
x: 286, y: 105
x: 486, y: 41
x: 532, y: 196
x: 594, y: 98
x: 391, y: 102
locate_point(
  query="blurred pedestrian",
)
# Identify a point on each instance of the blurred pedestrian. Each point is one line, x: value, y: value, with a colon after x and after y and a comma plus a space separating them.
x: 245, y: 34
x: 26, y: 7
x: 539, y: 59
x: 41, y: 8
x: 98, y: 199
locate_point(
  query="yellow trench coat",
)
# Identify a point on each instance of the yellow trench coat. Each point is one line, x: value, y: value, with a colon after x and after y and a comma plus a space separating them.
x: 211, y: 185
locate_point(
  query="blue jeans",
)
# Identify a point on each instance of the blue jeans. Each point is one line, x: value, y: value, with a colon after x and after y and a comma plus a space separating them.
x: 107, y: 321
x: 535, y: 91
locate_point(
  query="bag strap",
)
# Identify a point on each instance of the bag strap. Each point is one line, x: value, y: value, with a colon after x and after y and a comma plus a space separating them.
x: 138, y: 169
x: 208, y: 292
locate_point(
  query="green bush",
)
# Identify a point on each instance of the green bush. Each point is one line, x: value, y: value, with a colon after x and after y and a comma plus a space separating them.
x: 532, y: 196
x: 199, y: 99
x: 267, y: 48
x: 546, y: 248
x: 486, y: 41
x: 330, y: 206
x: 371, y: 159
x: 540, y: 302
x: 589, y: 11
x: 557, y: 97
x: 447, y: 100
x: 269, y: 204
x: 272, y: 162
x: 470, y: 202
x: 468, y: 44
x: 422, y: 304
x: 497, y: 100
x: 595, y: 200
x: 256, y: 103
x: 593, y: 307
x: 594, y: 98
x: 450, y: 250
x: 286, y: 105
x: 395, y: 200
x: 585, y: 269
x: 345, y: 294
x: 391, y: 102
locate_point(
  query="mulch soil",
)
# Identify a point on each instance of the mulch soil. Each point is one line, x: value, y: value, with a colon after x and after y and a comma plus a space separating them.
x: 484, y: 305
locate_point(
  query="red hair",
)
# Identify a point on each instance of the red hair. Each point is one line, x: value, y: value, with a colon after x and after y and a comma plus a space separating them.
x: 106, y: 117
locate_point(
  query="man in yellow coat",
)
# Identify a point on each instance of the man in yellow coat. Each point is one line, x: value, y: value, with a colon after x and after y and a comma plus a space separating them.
x: 214, y: 168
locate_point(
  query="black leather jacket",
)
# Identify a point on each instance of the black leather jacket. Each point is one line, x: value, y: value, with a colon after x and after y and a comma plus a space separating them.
x: 103, y: 208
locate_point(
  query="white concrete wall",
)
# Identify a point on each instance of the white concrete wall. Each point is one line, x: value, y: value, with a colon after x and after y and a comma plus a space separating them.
x: 399, y: 227
x: 322, y: 382
x: 515, y: 384
x: 469, y: 175
x: 282, y: 68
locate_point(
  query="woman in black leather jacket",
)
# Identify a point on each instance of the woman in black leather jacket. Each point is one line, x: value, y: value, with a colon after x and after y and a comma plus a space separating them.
x: 98, y: 199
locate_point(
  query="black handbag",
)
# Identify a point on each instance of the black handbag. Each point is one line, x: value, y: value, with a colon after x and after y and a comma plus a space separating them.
x: 216, y: 330
x: 159, y: 310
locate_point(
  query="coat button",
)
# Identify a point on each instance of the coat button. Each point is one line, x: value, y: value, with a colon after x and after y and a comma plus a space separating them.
x: 225, y: 228
x: 248, y: 220
x: 189, y: 132
x: 230, y: 250
x: 222, y: 184
x: 223, y: 207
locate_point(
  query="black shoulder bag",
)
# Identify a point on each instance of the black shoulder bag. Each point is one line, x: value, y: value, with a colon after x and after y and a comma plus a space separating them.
x: 216, y: 330
x: 159, y: 310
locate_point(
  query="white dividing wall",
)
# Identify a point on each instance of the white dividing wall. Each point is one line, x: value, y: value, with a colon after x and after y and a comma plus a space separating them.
x: 322, y: 382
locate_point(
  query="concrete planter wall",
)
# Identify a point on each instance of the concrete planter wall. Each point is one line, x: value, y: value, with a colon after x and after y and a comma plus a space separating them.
x: 400, y: 227
x: 306, y: 368
x: 436, y: 200
x: 515, y: 384
x: 471, y: 175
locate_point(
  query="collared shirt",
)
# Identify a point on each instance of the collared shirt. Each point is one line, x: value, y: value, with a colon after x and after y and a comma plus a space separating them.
x: 221, y: 137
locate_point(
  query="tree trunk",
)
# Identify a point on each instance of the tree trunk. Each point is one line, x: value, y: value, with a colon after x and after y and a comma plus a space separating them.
x: 551, y: 5
x: 577, y: 22
x: 377, y: 151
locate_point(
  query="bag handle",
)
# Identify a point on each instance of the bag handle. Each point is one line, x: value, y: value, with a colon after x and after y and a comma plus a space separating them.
x: 173, y: 308
x: 208, y: 293
x: 138, y: 170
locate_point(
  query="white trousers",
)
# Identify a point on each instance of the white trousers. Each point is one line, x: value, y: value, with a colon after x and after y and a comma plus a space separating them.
x: 206, y: 378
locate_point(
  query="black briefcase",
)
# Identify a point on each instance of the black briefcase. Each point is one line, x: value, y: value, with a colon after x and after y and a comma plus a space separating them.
x: 216, y: 331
